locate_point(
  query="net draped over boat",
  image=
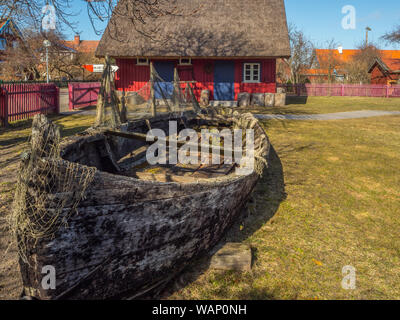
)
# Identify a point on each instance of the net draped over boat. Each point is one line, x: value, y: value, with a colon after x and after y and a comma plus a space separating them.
x: 44, y: 183
x: 157, y: 96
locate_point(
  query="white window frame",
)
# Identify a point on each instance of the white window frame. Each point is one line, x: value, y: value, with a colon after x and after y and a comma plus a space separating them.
x: 252, y: 69
x: 181, y: 63
x: 142, y: 63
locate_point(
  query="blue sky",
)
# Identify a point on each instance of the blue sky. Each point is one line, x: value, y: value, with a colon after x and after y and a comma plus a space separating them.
x: 319, y: 19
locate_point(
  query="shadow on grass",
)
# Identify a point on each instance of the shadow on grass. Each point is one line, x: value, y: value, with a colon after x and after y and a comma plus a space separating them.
x: 290, y: 100
x: 266, y: 197
x: 27, y: 124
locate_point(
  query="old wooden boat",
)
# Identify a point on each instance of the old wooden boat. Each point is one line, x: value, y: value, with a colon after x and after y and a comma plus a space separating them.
x: 133, y: 230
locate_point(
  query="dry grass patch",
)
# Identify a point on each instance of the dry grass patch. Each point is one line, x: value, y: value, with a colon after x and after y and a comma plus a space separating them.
x: 342, y: 208
x: 320, y: 105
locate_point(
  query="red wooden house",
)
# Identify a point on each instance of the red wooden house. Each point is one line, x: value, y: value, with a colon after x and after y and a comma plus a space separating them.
x: 227, y: 47
x: 385, y: 71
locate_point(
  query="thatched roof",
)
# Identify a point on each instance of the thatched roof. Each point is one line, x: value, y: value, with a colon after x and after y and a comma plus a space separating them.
x: 208, y: 28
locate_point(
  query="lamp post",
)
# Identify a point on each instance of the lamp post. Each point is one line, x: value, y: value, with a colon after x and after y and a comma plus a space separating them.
x: 47, y: 45
x: 367, y: 30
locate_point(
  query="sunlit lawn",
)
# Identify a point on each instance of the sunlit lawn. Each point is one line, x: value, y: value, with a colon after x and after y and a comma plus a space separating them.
x: 313, y: 105
x: 342, y: 208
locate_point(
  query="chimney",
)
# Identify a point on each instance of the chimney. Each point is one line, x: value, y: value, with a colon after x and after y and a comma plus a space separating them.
x: 77, y: 40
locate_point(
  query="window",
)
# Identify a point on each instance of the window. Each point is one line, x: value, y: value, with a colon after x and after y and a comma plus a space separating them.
x: 252, y: 72
x: 185, y: 61
x: 142, y: 62
x: 3, y: 44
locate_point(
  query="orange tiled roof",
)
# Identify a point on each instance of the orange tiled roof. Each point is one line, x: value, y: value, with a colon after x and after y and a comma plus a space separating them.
x: 391, y: 58
x: 392, y: 64
x: 347, y: 54
x: 315, y: 72
x: 84, y: 46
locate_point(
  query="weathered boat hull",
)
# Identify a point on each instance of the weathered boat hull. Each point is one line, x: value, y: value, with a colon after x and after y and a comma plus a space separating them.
x: 129, y: 235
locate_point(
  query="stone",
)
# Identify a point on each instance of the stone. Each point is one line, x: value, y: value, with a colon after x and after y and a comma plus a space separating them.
x: 281, y: 90
x: 258, y: 99
x: 280, y: 99
x: 243, y: 99
x: 205, y: 98
x: 269, y: 99
x: 232, y: 256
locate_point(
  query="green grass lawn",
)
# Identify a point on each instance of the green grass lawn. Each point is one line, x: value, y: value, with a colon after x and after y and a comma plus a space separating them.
x: 339, y: 205
x: 314, y: 105
x: 330, y: 198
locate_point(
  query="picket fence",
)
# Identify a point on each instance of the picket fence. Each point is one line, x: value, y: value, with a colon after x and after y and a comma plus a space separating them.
x: 23, y: 101
x: 343, y: 90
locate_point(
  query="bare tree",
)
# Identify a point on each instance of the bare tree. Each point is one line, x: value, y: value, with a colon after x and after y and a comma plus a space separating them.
x: 301, y: 54
x: 29, y: 13
x: 357, y: 69
x: 27, y: 60
x: 141, y: 14
x: 330, y: 61
x: 393, y: 36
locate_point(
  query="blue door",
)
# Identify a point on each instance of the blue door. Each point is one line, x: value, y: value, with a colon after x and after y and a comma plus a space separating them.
x: 165, y: 70
x: 224, y: 78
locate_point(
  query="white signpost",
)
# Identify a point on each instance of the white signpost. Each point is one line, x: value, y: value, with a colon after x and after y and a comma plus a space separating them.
x: 99, y: 68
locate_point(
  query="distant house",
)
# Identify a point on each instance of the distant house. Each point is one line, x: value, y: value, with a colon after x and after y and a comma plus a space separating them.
x: 10, y: 36
x: 385, y: 71
x: 329, y: 64
x: 333, y: 62
x: 68, y: 57
x: 82, y: 46
x: 225, y: 47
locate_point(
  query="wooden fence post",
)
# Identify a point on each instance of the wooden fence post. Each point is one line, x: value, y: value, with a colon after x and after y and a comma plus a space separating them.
x: 152, y: 93
x: 2, y: 109
x: 387, y: 91
x: 57, y: 99
x: 70, y: 96
x: 342, y: 90
x: 4, y: 104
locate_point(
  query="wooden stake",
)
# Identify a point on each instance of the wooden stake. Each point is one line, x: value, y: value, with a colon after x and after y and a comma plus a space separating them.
x: 152, y: 93
x: 176, y: 89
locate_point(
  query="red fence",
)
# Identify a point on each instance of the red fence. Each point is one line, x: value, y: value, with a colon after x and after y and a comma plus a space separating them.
x: 22, y: 101
x: 343, y: 90
x: 82, y: 94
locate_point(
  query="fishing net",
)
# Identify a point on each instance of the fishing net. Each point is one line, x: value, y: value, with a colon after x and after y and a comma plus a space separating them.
x: 48, y: 189
x: 156, y: 96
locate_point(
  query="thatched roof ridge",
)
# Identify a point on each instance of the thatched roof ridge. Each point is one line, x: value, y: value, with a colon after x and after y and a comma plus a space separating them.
x: 214, y: 28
